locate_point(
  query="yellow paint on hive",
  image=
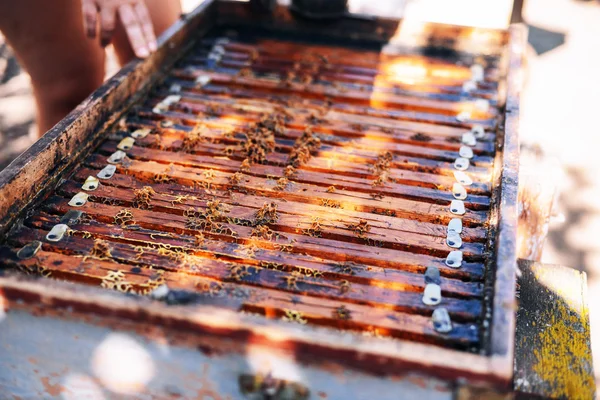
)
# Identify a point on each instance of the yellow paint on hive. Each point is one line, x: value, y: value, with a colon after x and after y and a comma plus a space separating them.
x: 565, y: 343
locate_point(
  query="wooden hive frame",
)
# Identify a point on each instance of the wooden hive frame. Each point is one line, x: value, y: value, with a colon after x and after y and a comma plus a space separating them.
x: 41, y: 167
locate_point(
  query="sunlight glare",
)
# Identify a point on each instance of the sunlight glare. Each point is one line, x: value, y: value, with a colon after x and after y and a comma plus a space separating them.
x: 122, y: 364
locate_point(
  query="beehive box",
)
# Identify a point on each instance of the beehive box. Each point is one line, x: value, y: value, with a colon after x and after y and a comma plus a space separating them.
x: 288, y: 207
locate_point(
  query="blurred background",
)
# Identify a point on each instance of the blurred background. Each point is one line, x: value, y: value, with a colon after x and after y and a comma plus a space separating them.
x: 559, y: 107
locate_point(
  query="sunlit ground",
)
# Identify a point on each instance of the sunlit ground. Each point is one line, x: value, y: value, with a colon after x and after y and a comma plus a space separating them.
x: 560, y: 114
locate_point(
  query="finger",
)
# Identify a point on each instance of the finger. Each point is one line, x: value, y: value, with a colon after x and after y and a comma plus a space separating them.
x: 134, y: 31
x: 89, y: 12
x: 107, y: 24
x: 143, y: 14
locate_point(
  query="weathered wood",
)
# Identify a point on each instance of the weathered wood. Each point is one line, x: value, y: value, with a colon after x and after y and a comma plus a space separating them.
x: 170, y: 196
x: 334, y: 250
x: 256, y: 275
x: 392, y: 285
x: 375, y: 103
x: 330, y: 58
x: 338, y: 119
x: 217, y: 140
x: 537, y: 197
x: 336, y: 228
x: 345, y: 134
x: 401, y: 182
x: 271, y: 303
x: 250, y: 254
x: 232, y: 62
x: 349, y: 96
x: 553, y: 355
x: 211, y: 328
x: 147, y: 171
x: 504, y: 303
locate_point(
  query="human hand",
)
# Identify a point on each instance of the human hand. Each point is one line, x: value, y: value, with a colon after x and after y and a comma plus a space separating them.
x: 134, y: 15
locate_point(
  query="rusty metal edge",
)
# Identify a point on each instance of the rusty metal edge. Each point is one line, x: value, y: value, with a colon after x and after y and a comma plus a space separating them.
x: 367, y: 354
x: 40, y: 167
x: 503, y: 318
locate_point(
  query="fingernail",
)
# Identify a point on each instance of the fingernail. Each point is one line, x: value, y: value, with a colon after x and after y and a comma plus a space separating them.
x: 143, y: 52
x: 152, y: 45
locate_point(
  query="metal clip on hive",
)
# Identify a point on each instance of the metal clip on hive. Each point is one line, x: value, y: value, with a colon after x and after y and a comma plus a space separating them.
x: 117, y: 157
x: 126, y: 144
x: 462, y: 178
x: 140, y: 133
x: 478, y: 131
x: 461, y: 164
x: 469, y: 139
x: 454, y: 259
x: 432, y: 295
x: 29, y: 250
x: 465, y: 152
x: 79, y: 199
x: 107, y: 172
x: 457, y: 207
x: 57, y: 232
x: 441, y: 320
x: 91, y: 183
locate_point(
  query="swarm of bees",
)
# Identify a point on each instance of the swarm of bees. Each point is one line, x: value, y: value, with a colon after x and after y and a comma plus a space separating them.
x: 180, y: 199
x: 236, y: 179
x: 245, y: 165
x: 348, y: 268
x: 100, y: 250
x: 294, y: 316
x: 239, y: 272
x: 282, y: 184
x: 267, y: 214
x: 213, y: 111
x: 330, y: 203
x: 199, y: 240
x: 314, y: 119
x: 245, y: 73
x: 124, y: 217
x: 162, y: 178
x: 291, y: 280
x: 115, y: 280
x: 289, y: 171
x: 420, y: 137
x: 360, y: 229
x: 193, y: 138
x: 260, y: 138
x: 342, y: 313
x: 143, y: 197
x: 307, y: 144
x: 174, y: 254
x: 263, y: 231
x: 382, y: 165
x: 315, y: 230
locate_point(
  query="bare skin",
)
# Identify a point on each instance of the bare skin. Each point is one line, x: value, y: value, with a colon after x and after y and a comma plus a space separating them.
x: 62, y: 51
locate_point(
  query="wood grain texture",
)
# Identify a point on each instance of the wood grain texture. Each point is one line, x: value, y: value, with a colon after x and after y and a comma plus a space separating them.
x: 504, y: 302
x: 201, y: 197
x: 366, y: 242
